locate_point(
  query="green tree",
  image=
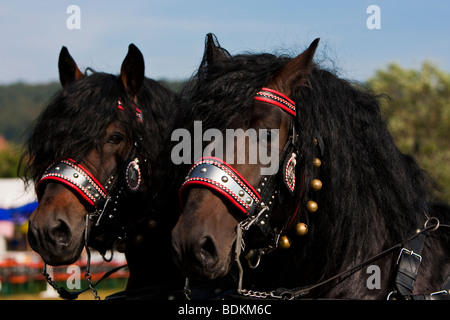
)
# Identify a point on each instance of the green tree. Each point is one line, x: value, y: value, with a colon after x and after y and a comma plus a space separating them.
x: 9, y: 162
x: 417, y: 109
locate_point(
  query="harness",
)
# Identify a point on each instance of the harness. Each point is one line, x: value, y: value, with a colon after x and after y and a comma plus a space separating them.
x: 104, y: 201
x: 257, y: 204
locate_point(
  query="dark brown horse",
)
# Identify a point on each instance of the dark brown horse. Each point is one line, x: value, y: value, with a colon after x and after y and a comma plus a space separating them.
x: 342, y: 195
x: 94, y: 155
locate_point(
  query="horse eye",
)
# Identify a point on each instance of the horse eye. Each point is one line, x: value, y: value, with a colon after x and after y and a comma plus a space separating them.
x: 115, y: 138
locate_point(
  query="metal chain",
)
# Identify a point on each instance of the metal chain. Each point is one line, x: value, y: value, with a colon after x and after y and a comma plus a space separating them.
x: 264, y: 295
x: 49, y: 279
x: 94, y: 292
x: 186, y: 290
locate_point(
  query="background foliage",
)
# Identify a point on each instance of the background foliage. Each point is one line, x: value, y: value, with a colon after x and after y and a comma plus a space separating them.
x: 416, y: 106
x: 417, y: 109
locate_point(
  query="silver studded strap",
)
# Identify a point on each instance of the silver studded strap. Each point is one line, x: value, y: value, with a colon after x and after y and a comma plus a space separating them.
x: 220, y: 176
x: 77, y: 178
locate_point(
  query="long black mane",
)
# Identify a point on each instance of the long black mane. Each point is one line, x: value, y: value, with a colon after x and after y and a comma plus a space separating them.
x: 373, y: 195
x: 75, y: 121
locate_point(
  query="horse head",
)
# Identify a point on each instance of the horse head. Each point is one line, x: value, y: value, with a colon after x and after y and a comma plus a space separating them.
x: 342, y: 192
x: 79, y: 152
x: 220, y: 193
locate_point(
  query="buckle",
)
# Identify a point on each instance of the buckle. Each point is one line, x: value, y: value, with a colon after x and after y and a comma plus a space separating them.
x: 410, y: 252
x: 439, y: 292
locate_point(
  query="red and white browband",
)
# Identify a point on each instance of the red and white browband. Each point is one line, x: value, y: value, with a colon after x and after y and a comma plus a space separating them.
x: 138, y: 111
x: 218, y: 175
x: 276, y: 98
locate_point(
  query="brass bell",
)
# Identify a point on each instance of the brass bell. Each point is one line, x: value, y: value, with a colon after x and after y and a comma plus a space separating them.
x: 284, y: 242
x: 316, y: 184
x: 312, y: 206
x: 301, y: 229
x: 317, y: 163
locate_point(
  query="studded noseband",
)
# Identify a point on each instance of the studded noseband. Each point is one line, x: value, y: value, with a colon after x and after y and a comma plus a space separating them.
x: 219, y: 176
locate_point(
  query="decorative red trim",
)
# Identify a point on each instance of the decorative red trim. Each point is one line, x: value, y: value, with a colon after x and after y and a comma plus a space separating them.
x: 291, y: 186
x: 278, y: 104
x: 89, y: 175
x: 276, y: 98
x: 219, y: 188
x: 279, y: 93
x: 239, y: 179
x: 72, y: 185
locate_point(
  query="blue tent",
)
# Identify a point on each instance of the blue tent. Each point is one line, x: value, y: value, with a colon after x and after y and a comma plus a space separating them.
x: 20, y: 214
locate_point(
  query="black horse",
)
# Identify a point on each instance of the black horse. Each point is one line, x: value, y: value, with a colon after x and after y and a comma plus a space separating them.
x: 340, y: 216
x: 94, y: 155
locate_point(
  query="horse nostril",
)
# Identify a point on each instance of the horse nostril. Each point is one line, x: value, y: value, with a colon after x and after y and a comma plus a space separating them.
x: 208, y: 251
x: 60, y: 233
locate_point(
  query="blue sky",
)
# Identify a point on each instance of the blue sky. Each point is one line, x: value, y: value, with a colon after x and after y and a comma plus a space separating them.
x: 171, y: 34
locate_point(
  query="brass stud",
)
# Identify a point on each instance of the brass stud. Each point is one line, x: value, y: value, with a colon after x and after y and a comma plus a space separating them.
x: 75, y: 175
x: 317, y: 163
x: 248, y: 200
x: 284, y: 243
x: 312, y: 206
x: 203, y: 170
x: 225, y: 179
x: 316, y: 184
x: 301, y: 229
x: 241, y: 193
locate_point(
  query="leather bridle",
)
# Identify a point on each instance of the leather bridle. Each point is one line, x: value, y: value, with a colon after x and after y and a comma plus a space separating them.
x: 103, y: 202
x: 255, y: 204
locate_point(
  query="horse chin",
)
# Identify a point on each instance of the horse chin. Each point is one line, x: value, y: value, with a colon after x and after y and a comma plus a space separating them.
x: 196, y: 271
x: 64, y: 256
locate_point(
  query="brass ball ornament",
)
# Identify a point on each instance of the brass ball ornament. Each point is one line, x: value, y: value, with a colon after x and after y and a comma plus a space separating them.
x: 301, y: 229
x: 317, y: 163
x: 316, y: 184
x: 312, y: 206
x: 284, y: 242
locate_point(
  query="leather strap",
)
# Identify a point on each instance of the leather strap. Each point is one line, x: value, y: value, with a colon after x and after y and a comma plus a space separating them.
x: 408, y: 265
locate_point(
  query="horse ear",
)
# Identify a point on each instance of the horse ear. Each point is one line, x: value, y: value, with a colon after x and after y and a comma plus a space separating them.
x: 68, y: 69
x: 213, y: 50
x: 132, y: 70
x: 293, y: 75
